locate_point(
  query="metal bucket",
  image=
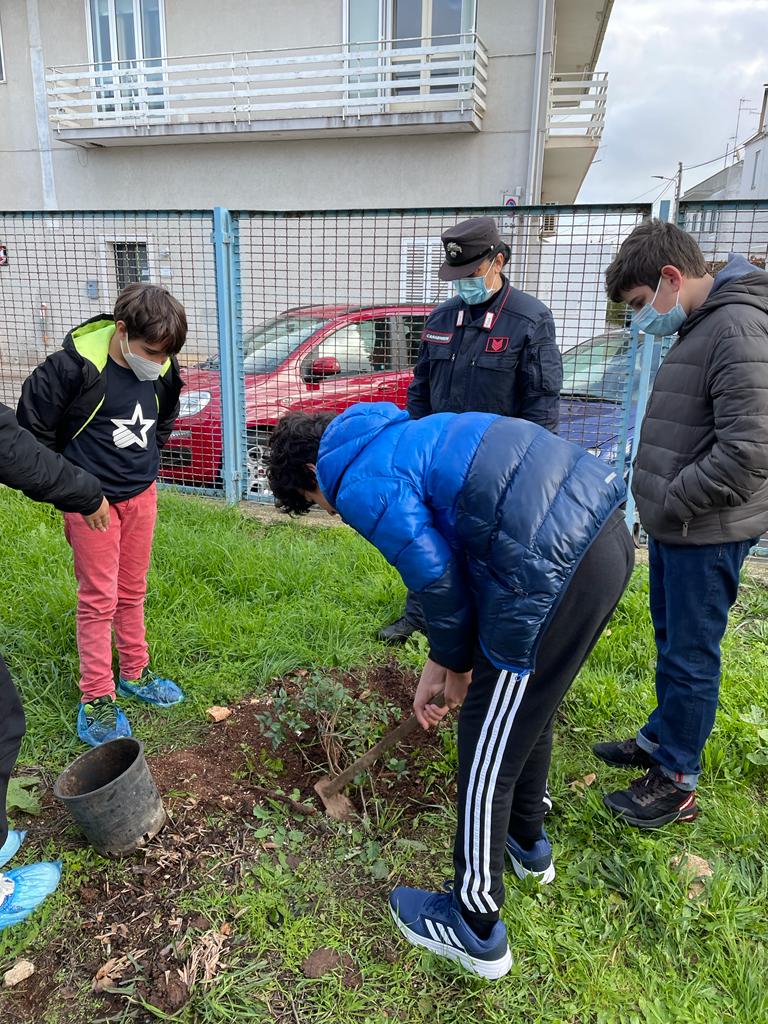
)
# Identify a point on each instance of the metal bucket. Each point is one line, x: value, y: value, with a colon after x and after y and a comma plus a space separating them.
x: 110, y: 793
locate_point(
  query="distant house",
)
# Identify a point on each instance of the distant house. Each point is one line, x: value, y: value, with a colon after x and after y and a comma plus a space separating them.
x: 721, y: 230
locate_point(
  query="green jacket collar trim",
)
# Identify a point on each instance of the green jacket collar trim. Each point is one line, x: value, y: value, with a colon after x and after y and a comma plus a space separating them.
x: 91, y: 341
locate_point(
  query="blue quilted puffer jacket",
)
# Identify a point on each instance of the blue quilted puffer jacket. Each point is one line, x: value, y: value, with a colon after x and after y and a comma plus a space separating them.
x: 484, y: 516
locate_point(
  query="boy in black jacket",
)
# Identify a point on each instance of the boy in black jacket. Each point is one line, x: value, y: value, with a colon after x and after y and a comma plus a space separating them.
x: 107, y: 400
x: 42, y: 476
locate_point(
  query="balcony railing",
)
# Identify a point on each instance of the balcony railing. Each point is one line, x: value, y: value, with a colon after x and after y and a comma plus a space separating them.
x: 348, y: 82
x: 577, y: 106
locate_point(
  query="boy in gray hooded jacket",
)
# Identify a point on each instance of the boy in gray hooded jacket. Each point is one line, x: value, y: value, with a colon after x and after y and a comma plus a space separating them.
x: 701, y: 485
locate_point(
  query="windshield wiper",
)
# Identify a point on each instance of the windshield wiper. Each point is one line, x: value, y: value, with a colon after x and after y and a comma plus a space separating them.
x: 585, y: 396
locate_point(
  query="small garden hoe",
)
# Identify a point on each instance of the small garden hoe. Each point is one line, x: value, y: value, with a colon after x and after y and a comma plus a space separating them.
x: 337, y: 804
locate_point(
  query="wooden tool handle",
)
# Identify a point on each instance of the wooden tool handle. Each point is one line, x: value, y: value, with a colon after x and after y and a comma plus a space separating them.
x: 392, y: 738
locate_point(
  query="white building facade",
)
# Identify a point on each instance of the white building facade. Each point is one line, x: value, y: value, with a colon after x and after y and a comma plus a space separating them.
x: 301, y: 104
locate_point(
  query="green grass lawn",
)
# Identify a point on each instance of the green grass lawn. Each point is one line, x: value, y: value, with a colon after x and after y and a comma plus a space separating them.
x: 616, y: 938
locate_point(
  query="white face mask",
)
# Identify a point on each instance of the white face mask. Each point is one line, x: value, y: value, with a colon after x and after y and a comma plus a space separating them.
x: 145, y: 369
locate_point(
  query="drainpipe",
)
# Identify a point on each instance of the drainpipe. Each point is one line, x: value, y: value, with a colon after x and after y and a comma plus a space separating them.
x: 37, y: 67
x: 531, y: 191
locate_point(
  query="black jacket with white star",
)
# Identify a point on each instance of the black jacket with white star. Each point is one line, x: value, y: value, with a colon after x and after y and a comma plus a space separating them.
x: 61, y: 397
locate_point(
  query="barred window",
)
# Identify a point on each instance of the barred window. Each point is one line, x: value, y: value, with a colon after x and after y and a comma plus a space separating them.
x: 131, y: 263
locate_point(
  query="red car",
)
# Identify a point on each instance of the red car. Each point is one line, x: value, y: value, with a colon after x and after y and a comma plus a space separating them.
x: 310, y: 357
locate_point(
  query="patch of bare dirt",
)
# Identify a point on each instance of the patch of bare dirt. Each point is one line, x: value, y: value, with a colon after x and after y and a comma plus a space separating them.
x: 133, y: 942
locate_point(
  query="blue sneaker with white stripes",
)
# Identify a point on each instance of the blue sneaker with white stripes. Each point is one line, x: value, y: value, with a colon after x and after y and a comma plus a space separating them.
x: 536, y: 862
x: 433, y: 920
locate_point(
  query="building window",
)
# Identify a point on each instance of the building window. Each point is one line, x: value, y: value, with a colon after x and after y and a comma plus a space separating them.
x: 410, y: 22
x: 131, y: 263
x: 127, y: 37
x: 755, y: 167
x: 428, y: 24
x: 125, y: 30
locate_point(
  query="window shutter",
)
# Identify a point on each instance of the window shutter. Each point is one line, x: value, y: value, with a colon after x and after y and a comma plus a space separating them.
x: 419, y: 263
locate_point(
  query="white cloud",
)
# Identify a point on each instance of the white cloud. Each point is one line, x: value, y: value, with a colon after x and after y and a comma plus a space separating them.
x: 676, y: 74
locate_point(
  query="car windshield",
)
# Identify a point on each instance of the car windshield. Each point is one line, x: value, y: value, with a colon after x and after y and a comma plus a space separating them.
x: 597, y: 369
x: 265, y: 348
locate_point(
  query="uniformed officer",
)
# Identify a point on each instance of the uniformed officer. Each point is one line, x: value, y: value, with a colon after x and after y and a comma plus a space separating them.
x: 490, y: 348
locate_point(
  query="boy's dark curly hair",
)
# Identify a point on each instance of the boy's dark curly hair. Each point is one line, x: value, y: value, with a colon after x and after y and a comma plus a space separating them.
x: 294, y: 444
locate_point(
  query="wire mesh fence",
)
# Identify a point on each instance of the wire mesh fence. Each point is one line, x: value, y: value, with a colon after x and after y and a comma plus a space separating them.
x: 324, y: 310
x: 334, y: 306
x: 319, y: 310
x: 60, y: 270
x: 721, y: 228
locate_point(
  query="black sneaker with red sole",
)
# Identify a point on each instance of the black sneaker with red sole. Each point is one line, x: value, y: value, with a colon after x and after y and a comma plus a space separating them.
x: 623, y: 754
x: 652, y: 801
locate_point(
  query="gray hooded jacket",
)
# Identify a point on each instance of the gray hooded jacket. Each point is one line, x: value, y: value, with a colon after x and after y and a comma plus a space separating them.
x: 701, y: 472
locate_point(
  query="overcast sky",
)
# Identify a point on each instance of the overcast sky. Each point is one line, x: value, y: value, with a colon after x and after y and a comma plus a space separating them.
x: 677, y: 69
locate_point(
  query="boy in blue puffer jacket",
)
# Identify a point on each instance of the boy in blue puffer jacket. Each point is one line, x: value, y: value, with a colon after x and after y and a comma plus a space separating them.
x: 515, y: 543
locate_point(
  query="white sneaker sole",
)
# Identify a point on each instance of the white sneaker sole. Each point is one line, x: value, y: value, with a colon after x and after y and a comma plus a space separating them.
x: 542, y: 877
x: 490, y: 969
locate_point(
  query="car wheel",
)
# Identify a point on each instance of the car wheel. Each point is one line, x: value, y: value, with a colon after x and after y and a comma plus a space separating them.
x: 257, y: 447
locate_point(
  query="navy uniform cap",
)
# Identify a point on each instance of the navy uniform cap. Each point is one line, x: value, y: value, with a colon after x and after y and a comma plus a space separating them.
x: 466, y: 245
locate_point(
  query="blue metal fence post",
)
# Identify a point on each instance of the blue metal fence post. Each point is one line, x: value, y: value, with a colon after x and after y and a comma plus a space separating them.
x: 646, y: 368
x: 228, y: 315
x: 623, y: 461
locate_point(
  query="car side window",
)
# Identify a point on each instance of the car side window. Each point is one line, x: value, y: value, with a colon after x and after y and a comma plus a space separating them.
x: 408, y: 343
x: 359, y: 349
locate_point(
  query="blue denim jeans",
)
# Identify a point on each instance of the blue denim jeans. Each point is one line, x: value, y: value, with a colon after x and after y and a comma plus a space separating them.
x: 692, y: 589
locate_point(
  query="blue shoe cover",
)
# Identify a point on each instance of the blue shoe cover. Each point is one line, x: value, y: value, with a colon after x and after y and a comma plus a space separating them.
x: 29, y: 885
x: 95, y: 733
x: 152, y: 689
x: 11, y: 846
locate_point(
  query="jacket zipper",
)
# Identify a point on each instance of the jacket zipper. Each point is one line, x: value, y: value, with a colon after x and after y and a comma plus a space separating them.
x: 685, y: 527
x: 450, y: 375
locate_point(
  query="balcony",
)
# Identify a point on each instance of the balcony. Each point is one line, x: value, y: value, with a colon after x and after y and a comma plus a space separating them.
x: 575, y: 122
x: 384, y: 87
x: 576, y: 115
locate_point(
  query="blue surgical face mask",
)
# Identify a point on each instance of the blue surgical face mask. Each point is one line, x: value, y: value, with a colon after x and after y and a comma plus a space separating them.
x: 661, y: 325
x: 474, y: 290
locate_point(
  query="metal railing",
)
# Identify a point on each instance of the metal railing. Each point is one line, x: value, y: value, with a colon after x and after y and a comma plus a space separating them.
x: 346, y: 80
x: 577, y: 105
